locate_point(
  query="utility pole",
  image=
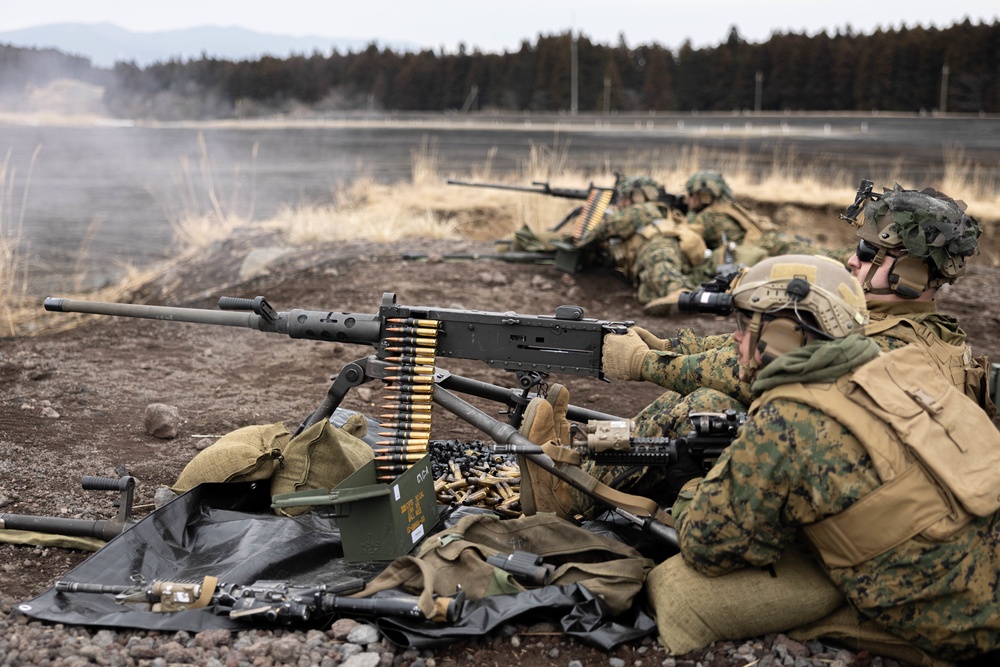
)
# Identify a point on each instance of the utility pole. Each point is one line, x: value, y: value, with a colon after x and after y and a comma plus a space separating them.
x: 607, y: 95
x: 943, y: 105
x: 573, y: 106
x: 758, y: 88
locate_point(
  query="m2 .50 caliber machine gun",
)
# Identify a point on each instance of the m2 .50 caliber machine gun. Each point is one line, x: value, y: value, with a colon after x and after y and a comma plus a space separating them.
x: 408, y: 341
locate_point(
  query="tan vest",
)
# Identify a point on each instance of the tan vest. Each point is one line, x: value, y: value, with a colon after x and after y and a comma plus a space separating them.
x: 970, y: 374
x: 753, y: 224
x: 936, y: 454
x: 689, y: 236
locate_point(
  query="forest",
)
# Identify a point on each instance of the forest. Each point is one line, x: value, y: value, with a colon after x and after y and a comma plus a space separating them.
x: 917, y: 69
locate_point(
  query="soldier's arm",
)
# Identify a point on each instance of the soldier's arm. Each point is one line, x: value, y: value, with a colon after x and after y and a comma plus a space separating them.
x: 747, y: 509
x: 714, y: 368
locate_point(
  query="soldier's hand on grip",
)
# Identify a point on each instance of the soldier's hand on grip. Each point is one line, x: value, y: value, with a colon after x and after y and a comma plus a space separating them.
x: 654, y: 343
x: 623, y: 355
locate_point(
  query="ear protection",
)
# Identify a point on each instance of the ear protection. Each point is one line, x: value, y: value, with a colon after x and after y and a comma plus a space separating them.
x: 780, y: 336
x: 909, y: 277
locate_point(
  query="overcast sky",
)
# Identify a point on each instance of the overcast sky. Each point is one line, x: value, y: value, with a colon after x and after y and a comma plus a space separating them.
x: 500, y: 25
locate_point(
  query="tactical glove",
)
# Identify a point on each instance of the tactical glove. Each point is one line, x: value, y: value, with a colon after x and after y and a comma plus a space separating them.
x: 623, y: 355
x: 654, y: 343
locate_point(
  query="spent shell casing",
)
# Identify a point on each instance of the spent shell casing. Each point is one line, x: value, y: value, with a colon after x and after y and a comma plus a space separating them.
x: 475, y: 496
x: 410, y: 370
x: 412, y: 360
x: 412, y: 340
x: 419, y: 332
x: 414, y: 322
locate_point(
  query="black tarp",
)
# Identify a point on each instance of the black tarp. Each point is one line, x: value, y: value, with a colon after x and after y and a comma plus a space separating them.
x: 228, y: 531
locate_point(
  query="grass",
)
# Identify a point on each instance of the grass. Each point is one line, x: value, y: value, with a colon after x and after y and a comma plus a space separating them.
x: 426, y: 207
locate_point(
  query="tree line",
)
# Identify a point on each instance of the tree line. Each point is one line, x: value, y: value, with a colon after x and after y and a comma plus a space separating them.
x: 916, y: 69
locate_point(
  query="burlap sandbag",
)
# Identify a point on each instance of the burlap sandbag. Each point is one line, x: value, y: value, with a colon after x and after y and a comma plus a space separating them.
x: 321, y: 457
x: 693, y: 610
x: 9, y: 536
x: 844, y: 626
x: 245, y: 455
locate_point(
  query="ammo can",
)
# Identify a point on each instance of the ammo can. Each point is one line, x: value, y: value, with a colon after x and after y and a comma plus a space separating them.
x: 377, y: 521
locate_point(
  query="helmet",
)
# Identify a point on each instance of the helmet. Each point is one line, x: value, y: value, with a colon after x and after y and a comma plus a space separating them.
x: 637, y: 188
x: 932, y: 230
x: 708, y: 186
x: 797, y: 295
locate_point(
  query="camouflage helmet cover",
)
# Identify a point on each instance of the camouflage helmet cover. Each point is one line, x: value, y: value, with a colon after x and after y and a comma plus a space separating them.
x: 804, y: 283
x: 930, y: 225
x: 710, y: 182
x: 628, y: 186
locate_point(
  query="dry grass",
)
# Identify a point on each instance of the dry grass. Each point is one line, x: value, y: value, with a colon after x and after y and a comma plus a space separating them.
x: 427, y: 207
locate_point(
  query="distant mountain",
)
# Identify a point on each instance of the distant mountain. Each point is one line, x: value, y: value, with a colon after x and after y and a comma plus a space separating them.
x: 105, y: 43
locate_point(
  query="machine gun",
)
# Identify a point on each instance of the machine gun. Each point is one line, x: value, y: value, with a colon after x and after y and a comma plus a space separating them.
x: 408, y: 340
x: 541, y: 188
x: 277, y: 601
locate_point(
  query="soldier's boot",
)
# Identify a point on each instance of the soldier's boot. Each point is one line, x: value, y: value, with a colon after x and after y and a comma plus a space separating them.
x: 664, y: 306
x: 545, y: 424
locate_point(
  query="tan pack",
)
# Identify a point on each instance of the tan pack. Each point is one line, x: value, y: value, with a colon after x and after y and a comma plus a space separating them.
x: 936, y: 453
x: 753, y: 224
x: 456, y: 559
x: 968, y: 373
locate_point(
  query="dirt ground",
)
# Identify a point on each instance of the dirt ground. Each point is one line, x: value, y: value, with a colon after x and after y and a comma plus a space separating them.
x: 72, y: 403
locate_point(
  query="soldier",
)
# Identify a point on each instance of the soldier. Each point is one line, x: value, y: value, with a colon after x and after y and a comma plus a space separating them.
x: 901, y: 270
x: 649, y: 242
x: 732, y: 232
x: 845, y: 449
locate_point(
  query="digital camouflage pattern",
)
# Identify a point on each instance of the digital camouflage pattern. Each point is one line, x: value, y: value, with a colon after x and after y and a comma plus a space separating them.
x: 792, y: 465
x: 657, y: 267
x: 711, y: 362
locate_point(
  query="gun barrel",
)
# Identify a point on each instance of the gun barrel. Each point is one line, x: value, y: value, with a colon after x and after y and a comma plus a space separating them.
x: 169, y: 313
x: 320, y: 325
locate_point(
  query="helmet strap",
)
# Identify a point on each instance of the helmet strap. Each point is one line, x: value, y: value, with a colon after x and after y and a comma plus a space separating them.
x: 872, y: 270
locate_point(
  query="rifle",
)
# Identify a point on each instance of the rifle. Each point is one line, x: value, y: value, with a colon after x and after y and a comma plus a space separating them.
x: 407, y: 341
x: 277, y: 601
x: 543, y: 188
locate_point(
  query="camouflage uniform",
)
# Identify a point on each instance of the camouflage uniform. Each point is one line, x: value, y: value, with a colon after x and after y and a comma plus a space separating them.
x: 720, y: 221
x: 650, y: 256
x: 792, y: 465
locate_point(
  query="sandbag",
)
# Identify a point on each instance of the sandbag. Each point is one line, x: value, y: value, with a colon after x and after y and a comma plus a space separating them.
x: 693, y: 610
x: 321, y: 457
x: 247, y: 454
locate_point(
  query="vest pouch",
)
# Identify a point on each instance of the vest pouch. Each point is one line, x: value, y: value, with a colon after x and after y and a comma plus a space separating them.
x: 943, y: 428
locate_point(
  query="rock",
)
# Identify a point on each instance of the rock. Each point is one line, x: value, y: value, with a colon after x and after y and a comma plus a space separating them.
x: 342, y: 627
x: 363, y: 634
x: 47, y: 411
x: 163, y: 496
x: 161, y: 421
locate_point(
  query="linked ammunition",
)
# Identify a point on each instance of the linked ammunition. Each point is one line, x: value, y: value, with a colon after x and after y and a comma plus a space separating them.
x: 407, y: 388
x: 413, y: 321
x: 422, y: 332
x: 412, y: 340
x: 409, y: 398
x: 414, y: 360
x: 403, y: 426
x: 403, y: 380
x: 402, y: 441
x: 411, y: 370
x: 412, y: 350
x: 407, y: 415
x: 401, y: 458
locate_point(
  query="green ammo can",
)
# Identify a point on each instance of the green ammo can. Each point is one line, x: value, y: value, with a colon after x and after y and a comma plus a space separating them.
x: 378, y: 521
